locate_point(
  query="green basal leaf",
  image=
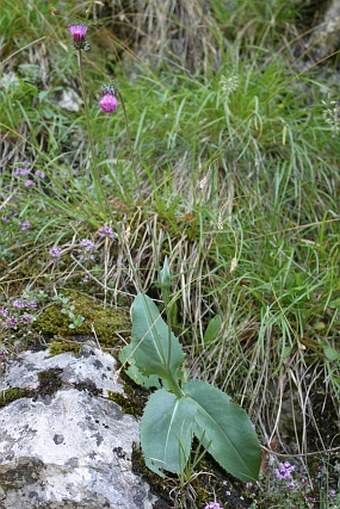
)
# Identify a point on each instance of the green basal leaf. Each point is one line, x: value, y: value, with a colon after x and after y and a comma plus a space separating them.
x: 166, y: 432
x: 225, y: 430
x: 155, y: 349
x: 213, y: 328
x: 125, y: 356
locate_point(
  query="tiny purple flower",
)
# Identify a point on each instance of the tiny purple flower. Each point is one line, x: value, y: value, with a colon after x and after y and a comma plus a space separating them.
x: 284, y: 470
x: 18, y: 304
x: 27, y: 318
x: 5, y: 219
x: 25, y: 225
x: 21, y: 172
x: 105, y: 231
x: 291, y: 485
x: 86, y: 244
x: 55, y: 252
x: 310, y: 499
x: 213, y: 505
x: 31, y: 304
x: 332, y: 493
x: 78, y: 33
x: 108, y: 103
x: 11, y: 321
x: 29, y: 183
x: 3, y: 311
x: 40, y: 174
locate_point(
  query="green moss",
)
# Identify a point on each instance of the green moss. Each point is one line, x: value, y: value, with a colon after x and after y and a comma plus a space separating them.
x: 12, y: 394
x: 158, y: 486
x: 126, y: 405
x: 105, y: 321
x: 49, y: 381
x: 61, y: 346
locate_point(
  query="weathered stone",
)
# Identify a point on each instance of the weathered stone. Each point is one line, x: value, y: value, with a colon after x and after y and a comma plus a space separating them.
x: 70, y: 448
x: 325, y: 39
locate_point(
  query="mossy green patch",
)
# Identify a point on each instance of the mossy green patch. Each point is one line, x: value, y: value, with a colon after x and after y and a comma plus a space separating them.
x: 49, y: 381
x: 12, y: 394
x: 104, y: 321
x: 61, y: 346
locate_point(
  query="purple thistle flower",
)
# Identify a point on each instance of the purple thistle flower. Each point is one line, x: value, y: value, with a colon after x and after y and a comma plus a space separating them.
x: 284, y: 471
x: 55, y: 252
x: 18, y: 304
x: 78, y: 33
x: 105, y: 231
x: 29, y: 183
x: 40, y: 174
x: 25, y: 225
x: 213, y: 505
x: 108, y: 103
x: 86, y: 244
x: 21, y: 172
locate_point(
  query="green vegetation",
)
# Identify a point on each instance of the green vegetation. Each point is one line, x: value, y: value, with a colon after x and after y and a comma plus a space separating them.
x: 12, y: 394
x: 233, y: 136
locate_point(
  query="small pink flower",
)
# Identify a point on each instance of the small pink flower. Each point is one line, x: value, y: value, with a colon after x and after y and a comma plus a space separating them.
x: 55, y: 252
x: 25, y: 225
x: 18, y: 304
x: 27, y: 318
x: 105, y: 231
x: 78, y: 32
x: 108, y: 103
x: 40, y: 174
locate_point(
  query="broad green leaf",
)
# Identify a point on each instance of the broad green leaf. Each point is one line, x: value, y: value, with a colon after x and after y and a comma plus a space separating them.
x: 166, y: 432
x: 213, y: 328
x: 155, y: 349
x: 225, y: 430
x: 134, y: 373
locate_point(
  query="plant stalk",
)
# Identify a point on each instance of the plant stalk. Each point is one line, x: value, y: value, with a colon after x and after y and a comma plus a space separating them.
x: 99, y: 194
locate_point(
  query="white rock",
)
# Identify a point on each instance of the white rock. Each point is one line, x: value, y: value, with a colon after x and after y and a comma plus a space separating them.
x: 70, y: 449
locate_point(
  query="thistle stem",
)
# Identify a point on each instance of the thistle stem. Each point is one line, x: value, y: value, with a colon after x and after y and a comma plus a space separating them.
x: 100, y: 196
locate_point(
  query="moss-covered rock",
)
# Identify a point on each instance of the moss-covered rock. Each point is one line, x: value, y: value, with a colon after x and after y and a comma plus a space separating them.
x: 104, y: 321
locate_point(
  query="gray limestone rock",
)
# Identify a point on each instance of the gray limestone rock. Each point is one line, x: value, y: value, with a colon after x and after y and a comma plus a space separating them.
x: 326, y: 37
x: 70, y: 448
